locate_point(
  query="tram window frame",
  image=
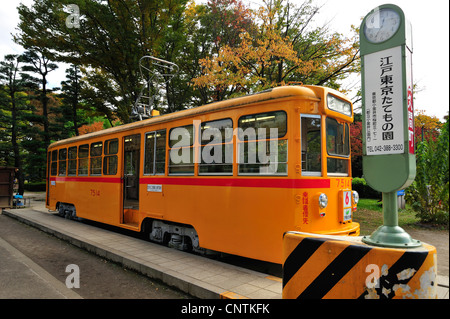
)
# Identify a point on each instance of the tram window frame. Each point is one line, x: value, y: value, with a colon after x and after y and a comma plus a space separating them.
x: 224, y: 129
x: 72, y: 153
x: 249, y: 143
x: 317, y: 160
x: 54, y: 163
x: 110, y: 160
x: 62, y: 162
x: 259, y: 118
x: 337, y: 166
x: 189, y: 128
x: 83, y: 160
x: 155, y: 154
x: 95, y: 162
x: 182, y: 168
x: 338, y: 154
x: 342, y: 130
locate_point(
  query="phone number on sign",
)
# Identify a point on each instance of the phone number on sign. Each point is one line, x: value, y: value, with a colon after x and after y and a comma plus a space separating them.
x: 385, y: 148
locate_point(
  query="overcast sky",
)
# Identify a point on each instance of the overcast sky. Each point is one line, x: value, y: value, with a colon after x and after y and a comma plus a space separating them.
x: 430, y: 24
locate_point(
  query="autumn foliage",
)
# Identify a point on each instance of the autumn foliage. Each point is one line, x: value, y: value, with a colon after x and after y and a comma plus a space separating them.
x: 278, y: 48
x: 356, y: 148
x: 89, y: 128
x: 426, y: 127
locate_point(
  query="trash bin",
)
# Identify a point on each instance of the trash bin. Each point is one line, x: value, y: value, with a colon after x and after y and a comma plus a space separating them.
x: 18, y: 200
x: 401, y: 199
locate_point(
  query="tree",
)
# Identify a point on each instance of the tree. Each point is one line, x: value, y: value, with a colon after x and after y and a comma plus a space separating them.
x: 356, y: 148
x: 36, y: 61
x: 15, y: 83
x: 280, y: 49
x: 71, y: 90
x: 89, y: 128
x: 111, y: 38
x: 207, y: 28
x: 5, y: 145
x: 34, y: 143
x: 426, y: 127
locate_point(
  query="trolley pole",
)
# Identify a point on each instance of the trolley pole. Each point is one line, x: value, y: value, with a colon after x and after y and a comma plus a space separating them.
x: 388, y: 117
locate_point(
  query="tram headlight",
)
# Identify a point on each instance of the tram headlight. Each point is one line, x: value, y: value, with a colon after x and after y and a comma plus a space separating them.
x: 323, y: 200
x: 355, y: 196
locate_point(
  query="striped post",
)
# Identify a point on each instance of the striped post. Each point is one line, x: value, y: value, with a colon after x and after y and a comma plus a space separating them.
x: 343, y: 267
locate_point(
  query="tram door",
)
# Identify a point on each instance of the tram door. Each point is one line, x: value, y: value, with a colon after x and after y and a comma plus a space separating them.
x: 131, y: 160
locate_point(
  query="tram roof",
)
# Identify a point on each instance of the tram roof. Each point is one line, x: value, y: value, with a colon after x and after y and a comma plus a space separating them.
x: 308, y: 92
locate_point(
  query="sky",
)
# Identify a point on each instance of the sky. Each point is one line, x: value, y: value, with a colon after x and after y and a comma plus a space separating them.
x: 430, y: 29
x: 430, y: 25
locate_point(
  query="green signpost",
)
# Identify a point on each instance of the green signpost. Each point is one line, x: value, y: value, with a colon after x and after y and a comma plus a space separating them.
x: 388, y: 117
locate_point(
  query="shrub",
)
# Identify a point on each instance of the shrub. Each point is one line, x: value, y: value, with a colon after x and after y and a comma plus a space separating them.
x: 364, y: 190
x: 35, y: 187
x: 429, y: 193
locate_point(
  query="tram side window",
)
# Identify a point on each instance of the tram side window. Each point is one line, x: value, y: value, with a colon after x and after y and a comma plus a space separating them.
x: 62, y: 161
x: 96, y: 158
x: 54, y: 165
x: 311, y: 145
x: 263, y: 148
x: 216, y: 139
x: 110, y: 159
x: 181, y: 159
x: 83, y: 159
x: 155, y: 153
x: 72, y: 161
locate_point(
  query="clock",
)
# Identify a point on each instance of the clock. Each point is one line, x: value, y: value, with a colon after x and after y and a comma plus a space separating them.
x: 381, y: 25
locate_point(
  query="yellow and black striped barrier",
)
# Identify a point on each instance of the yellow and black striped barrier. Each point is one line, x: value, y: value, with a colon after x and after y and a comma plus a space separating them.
x: 338, y: 267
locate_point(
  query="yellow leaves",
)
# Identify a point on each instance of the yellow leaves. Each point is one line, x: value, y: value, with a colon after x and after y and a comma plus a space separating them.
x: 191, y: 11
x: 429, y: 123
x: 246, y: 64
x: 227, y: 68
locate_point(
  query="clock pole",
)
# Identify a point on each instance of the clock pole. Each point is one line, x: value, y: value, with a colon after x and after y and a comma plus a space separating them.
x: 388, y: 118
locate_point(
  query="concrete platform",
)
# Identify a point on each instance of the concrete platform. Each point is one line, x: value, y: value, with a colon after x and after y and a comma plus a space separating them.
x: 199, y: 276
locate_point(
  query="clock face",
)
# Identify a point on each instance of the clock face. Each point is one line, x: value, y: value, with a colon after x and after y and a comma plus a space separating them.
x: 381, y: 25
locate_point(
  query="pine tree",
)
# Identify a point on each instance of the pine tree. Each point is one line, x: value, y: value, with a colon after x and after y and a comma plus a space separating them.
x: 71, y: 90
x: 14, y: 109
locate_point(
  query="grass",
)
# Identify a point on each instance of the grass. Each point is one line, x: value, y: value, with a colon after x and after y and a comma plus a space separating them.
x: 370, y: 216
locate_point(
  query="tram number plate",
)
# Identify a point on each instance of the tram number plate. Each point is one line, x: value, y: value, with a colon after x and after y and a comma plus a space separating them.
x: 347, y: 205
x: 344, y: 182
x: 95, y: 192
x: 154, y: 188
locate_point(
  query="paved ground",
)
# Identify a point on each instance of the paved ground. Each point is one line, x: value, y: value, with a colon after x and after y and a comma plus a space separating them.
x: 437, y: 238
x: 33, y: 265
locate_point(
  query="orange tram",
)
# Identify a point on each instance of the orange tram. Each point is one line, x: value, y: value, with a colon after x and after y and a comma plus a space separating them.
x: 231, y: 176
